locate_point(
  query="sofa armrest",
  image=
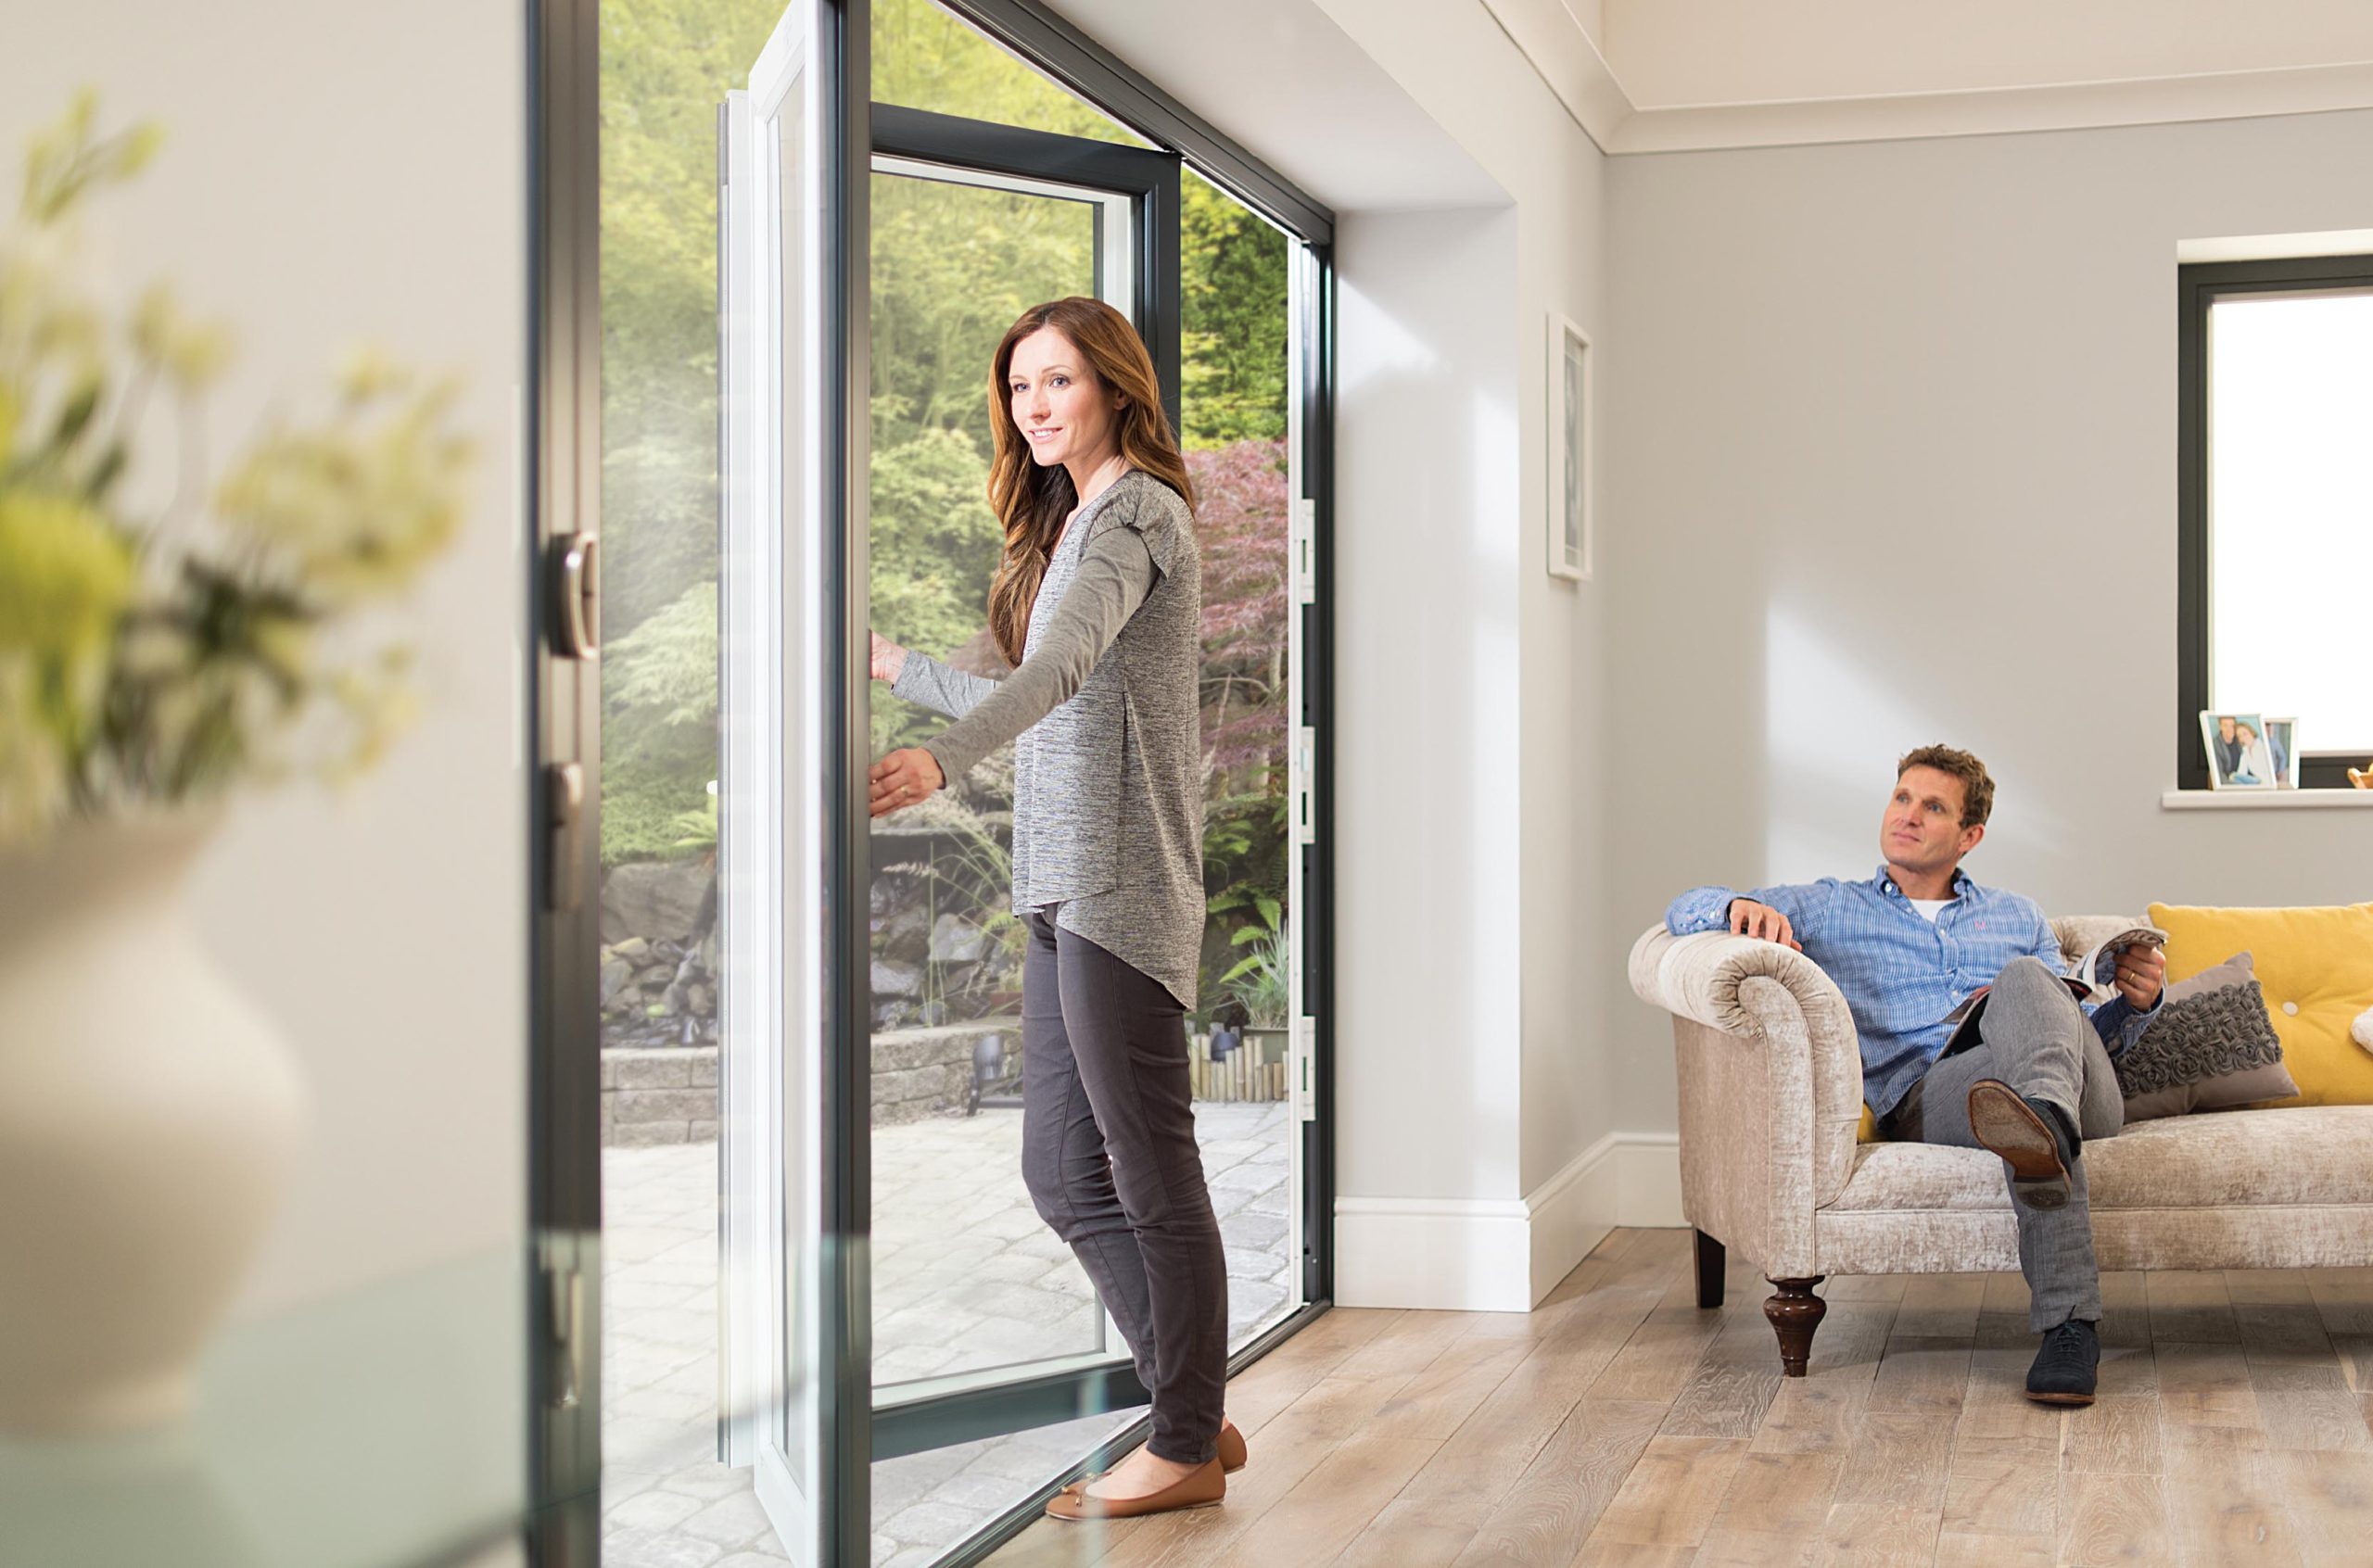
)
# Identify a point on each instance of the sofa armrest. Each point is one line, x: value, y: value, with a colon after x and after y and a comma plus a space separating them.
x: 1770, y: 1086
x: 1700, y: 976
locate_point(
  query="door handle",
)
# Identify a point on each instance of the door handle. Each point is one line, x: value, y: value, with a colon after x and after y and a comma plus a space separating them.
x: 576, y: 592
x: 563, y: 813
x: 567, y: 1335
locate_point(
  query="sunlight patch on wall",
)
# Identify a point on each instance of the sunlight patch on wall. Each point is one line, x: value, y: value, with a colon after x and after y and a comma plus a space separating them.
x: 1834, y: 728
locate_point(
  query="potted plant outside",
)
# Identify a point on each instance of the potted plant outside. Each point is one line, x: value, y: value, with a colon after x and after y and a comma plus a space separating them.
x: 1260, y: 986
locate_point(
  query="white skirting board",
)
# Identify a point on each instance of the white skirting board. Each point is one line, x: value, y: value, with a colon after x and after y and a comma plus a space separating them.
x: 1502, y: 1255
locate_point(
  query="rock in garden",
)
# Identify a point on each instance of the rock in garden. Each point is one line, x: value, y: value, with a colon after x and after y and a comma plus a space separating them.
x: 906, y: 936
x: 653, y: 899
x: 955, y: 940
x: 892, y: 979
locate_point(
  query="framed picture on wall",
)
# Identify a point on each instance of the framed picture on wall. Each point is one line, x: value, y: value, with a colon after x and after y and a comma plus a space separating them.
x: 2239, y: 757
x: 1571, y: 408
x: 2282, y: 750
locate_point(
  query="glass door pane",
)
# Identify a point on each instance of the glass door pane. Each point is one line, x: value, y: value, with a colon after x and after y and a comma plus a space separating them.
x: 967, y: 1279
x: 1240, y: 426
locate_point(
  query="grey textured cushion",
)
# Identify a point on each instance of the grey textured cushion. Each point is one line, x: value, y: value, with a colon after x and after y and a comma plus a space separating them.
x: 2210, y: 1047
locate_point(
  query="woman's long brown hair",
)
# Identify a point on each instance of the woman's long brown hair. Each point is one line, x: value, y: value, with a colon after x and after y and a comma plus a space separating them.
x: 1030, y: 502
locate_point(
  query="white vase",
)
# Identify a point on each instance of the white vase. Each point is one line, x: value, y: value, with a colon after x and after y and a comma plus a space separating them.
x: 149, y: 1115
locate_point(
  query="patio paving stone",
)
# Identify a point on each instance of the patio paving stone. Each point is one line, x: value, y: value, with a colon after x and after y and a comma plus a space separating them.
x: 966, y: 1275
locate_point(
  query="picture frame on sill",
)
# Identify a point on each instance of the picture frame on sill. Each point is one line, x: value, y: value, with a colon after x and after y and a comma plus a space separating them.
x: 2237, y: 755
x: 2282, y: 746
x: 1572, y: 407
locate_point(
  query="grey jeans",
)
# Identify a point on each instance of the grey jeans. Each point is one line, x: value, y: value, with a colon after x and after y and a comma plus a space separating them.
x: 1109, y: 1154
x: 2033, y: 1037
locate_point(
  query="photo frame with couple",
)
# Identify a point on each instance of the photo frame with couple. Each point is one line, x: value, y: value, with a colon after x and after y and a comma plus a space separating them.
x: 2249, y: 750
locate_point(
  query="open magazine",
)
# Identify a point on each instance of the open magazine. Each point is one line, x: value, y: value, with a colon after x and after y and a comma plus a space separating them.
x: 2097, y: 967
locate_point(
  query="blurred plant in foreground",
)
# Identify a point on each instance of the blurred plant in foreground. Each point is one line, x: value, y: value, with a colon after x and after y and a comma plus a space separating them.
x: 150, y: 661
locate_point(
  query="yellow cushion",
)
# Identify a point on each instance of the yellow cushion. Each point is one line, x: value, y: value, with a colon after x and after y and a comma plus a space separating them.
x: 1868, y: 1132
x: 2315, y: 966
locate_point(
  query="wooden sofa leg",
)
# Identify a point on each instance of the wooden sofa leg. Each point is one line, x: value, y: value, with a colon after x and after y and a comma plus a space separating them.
x: 1710, y: 1256
x: 1795, y: 1312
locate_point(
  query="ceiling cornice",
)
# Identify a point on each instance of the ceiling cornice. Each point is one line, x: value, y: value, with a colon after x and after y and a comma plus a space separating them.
x: 1546, y: 33
x: 1569, y: 61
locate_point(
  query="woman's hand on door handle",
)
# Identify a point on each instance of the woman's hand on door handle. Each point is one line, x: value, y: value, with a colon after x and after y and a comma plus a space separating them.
x: 901, y: 778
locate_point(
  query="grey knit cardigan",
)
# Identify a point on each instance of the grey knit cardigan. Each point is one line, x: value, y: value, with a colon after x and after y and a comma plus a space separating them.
x: 1107, y: 813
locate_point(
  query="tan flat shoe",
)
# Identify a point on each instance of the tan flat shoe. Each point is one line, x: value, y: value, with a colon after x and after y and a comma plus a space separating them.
x: 1234, y: 1456
x: 1204, y: 1486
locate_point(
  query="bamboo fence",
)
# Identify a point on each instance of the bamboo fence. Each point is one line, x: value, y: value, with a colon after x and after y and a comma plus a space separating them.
x: 1235, y: 1077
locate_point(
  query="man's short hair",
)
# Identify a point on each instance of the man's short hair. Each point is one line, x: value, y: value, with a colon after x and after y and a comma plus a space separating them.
x: 1977, y: 785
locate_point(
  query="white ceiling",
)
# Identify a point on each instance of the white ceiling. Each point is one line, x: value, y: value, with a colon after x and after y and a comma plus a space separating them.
x: 1676, y: 52
x: 1297, y: 92
x: 1656, y: 75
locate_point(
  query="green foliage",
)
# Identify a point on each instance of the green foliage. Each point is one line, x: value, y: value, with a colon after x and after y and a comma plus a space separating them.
x: 924, y: 58
x: 665, y: 66
x: 936, y: 544
x: 150, y: 661
x: 952, y: 267
x: 1244, y: 852
x: 1233, y: 319
x: 659, y: 729
x: 1260, y: 982
x: 698, y: 827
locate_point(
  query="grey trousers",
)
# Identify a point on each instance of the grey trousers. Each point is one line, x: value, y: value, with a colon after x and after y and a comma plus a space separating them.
x: 1110, y: 1156
x: 2033, y: 1037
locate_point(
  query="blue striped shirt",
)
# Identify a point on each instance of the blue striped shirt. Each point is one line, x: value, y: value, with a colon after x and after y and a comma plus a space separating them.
x: 1900, y: 973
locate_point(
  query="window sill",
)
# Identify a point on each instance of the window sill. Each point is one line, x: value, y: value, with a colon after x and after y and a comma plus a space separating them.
x: 2263, y: 800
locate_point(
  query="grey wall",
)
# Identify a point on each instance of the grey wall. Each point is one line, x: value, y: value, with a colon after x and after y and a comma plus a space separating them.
x: 336, y: 176
x: 1890, y: 442
x: 1427, y: 990
x: 1523, y: 751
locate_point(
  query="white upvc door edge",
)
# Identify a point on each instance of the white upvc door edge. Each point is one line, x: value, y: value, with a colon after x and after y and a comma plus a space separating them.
x: 771, y: 808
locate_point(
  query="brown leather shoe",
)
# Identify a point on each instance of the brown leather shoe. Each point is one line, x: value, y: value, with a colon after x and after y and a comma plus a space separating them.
x: 2008, y: 1125
x: 1234, y: 1456
x: 1204, y: 1486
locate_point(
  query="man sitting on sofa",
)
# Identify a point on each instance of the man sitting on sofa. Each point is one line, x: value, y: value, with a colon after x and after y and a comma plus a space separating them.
x: 2030, y: 1080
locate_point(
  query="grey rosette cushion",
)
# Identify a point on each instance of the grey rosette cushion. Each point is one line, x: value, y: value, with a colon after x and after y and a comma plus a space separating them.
x: 2210, y: 1047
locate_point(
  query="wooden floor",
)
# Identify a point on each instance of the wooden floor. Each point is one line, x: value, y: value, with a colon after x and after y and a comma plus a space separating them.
x: 1619, y: 1424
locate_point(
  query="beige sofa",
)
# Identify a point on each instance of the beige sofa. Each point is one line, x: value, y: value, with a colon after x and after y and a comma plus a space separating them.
x: 1771, y: 1096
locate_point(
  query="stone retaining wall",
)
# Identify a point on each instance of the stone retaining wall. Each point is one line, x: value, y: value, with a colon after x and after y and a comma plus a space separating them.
x: 921, y: 1072
x: 668, y: 1095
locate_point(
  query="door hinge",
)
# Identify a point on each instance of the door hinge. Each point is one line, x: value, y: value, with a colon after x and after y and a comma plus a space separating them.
x: 1305, y: 1038
x: 1305, y: 549
x: 1303, y: 777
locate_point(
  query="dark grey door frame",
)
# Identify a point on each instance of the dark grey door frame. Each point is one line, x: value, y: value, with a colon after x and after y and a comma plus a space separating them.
x: 1149, y: 178
x: 563, y: 505
x: 845, y: 79
x: 564, y: 690
x: 1094, y: 75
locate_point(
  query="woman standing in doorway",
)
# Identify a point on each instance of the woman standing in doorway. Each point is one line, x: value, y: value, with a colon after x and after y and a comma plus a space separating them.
x: 1097, y: 604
